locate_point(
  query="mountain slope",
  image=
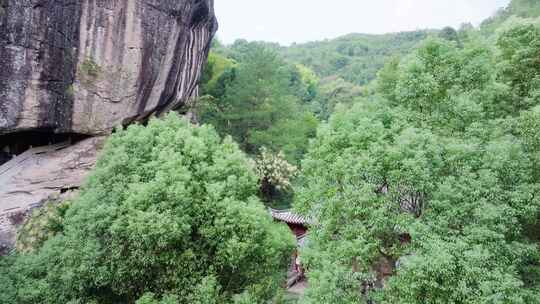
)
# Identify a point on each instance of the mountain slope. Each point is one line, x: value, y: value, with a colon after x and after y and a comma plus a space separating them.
x: 516, y: 8
x: 354, y: 57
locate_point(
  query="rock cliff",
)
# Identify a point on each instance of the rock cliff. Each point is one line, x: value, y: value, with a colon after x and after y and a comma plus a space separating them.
x: 87, y: 66
x: 72, y: 70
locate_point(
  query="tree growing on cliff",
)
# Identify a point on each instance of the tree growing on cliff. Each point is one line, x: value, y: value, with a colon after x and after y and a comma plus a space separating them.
x: 169, y: 213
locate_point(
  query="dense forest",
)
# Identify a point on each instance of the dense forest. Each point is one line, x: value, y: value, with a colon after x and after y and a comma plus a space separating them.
x: 355, y: 57
x: 415, y: 156
x: 434, y: 176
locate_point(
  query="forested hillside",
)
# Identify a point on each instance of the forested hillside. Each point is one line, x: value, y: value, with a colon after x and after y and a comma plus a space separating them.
x: 427, y: 192
x: 254, y: 95
x: 356, y: 57
x: 413, y: 159
x: 313, y: 77
x: 516, y: 8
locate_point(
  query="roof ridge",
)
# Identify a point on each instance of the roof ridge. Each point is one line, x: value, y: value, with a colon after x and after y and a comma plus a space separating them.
x: 288, y: 216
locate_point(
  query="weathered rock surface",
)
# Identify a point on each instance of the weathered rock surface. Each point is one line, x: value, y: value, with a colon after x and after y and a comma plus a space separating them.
x: 87, y: 66
x: 38, y: 174
x: 82, y: 67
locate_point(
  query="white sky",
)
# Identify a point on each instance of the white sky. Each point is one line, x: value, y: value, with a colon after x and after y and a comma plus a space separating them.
x: 287, y: 21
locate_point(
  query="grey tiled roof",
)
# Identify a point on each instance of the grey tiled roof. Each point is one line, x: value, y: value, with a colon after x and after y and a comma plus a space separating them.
x: 288, y: 217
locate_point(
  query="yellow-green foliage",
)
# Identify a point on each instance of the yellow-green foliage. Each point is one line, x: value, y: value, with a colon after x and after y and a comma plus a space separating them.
x: 218, y: 64
x: 308, y: 75
x: 42, y: 224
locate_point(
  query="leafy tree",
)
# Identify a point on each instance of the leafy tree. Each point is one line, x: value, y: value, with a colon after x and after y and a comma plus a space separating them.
x: 448, y: 87
x: 310, y: 79
x: 258, y: 105
x: 519, y: 64
x: 43, y: 224
x: 168, y: 215
x: 427, y: 191
x: 216, y: 72
x: 387, y: 79
x: 450, y: 34
x: 275, y: 173
x: 371, y: 179
x: 332, y: 92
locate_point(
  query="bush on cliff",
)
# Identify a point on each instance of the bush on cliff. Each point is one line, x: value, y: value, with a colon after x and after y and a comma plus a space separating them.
x: 169, y: 213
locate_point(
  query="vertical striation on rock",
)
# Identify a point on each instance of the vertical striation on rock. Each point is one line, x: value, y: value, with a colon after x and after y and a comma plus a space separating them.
x: 87, y: 66
x: 37, y: 61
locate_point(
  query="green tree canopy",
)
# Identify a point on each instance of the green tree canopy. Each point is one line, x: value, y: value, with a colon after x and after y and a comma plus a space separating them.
x: 260, y: 104
x: 170, y: 213
x: 356, y: 58
x: 427, y: 191
x: 372, y: 180
x: 519, y: 64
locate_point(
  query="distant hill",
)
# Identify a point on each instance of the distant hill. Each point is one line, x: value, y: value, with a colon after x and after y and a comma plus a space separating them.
x: 355, y: 57
x: 519, y: 8
x: 340, y: 68
x: 358, y: 57
x: 525, y: 8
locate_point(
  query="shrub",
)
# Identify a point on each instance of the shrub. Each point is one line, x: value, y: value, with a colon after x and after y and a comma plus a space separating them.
x: 42, y: 224
x: 275, y: 173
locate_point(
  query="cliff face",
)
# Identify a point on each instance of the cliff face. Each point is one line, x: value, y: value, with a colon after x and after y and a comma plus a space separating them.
x: 73, y: 69
x: 87, y: 66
